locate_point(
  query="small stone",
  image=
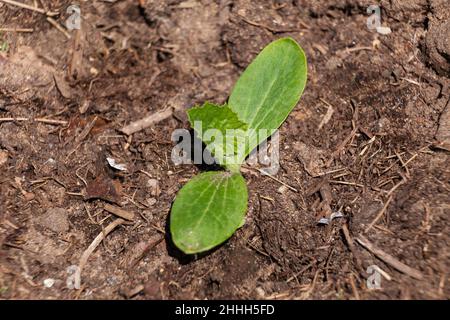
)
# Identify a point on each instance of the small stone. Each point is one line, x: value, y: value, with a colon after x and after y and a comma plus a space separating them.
x: 48, y: 283
x: 153, y: 184
x: 260, y: 292
x: 151, y: 201
x: 282, y: 189
x: 384, y: 30
x: 152, y: 288
x: 111, y: 280
x: 55, y: 219
x: 334, y: 63
x: 28, y: 196
x: 3, y: 157
x: 147, y: 214
x: 93, y: 71
x: 48, y: 166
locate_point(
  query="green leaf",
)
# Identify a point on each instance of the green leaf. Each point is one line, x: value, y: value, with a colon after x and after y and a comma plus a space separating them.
x: 208, y: 210
x: 215, y: 117
x: 221, y: 130
x: 269, y: 89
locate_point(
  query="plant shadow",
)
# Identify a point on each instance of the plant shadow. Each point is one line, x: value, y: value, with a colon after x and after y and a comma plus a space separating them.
x: 211, y: 163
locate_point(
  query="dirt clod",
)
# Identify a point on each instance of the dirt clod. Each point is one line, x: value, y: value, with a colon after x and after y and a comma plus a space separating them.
x: 443, y: 133
x: 438, y: 46
x: 55, y: 219
x: 3, y: 157
x: 313, y: 159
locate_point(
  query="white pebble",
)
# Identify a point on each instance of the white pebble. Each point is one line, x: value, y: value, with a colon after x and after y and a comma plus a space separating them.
x: 48, y: 283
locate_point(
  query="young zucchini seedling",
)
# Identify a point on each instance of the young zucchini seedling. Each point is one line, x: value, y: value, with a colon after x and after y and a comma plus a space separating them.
x: 212, y: 206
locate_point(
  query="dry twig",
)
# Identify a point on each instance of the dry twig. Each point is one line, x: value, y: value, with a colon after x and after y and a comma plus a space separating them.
x: 58, y: 26
x: 266, y: 27
x: 394, y: 262
x: 379, y: 215
x: 87, y: 253
x: 119, y: 212
x: 147, y: 121
x: 351, y: 245
x: 28, y: 7
x: 273, y: 178
x: 16, y: 30
x: 43, y: 120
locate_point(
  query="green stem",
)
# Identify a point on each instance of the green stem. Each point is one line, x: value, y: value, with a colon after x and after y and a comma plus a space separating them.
x: 233, y: 168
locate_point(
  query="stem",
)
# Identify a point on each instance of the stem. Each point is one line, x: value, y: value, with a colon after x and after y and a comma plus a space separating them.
x: 234, y: 168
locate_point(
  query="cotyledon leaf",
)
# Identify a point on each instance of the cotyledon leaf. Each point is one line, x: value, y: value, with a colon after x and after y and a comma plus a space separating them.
x: 269, y: 89
x: 208, y: 210
x: 226, y: 132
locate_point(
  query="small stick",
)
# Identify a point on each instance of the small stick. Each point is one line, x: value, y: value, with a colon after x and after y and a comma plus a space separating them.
x: 327, y: 117
x: 12, y: 225
x: 16, y: 30
x: 379, y: 215
x: 135, y: 291
x: 51, y: 121
x: 153, y: 242
x: 58, y: 26
x: 24, y: 6
x: 396, y: 186
x: 410, y: 159
x: 28, y: 7
x: 294, y: 276
x: 354, y: 288
x: 277, y: 180
x: 351, y: 245
x: 87, y: 253
x: 43, y: 120
x: 403, y: 163
x: 382, y: 272
x: 341, y: 146
x: 259, y: 25
x: 358, y: 49
x: 394, y: 262
x: 442, y: 284
x: 78, y: 194
x: 119, y: 212
x: 324, y: 210
x: 147, y: 121
x: 411, y: 81
x: 267, y: 198
x: 331, y: 171
x: 347, y: 183
x: 86, y: 130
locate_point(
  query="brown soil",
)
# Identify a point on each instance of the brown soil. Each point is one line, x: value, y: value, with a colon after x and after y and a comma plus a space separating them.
x: 388, y: 94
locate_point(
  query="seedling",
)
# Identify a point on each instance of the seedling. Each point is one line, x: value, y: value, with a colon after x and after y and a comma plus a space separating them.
x: 212, y: 206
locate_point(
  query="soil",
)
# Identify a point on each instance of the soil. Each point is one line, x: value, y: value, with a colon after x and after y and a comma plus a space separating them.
x: 374, y: 117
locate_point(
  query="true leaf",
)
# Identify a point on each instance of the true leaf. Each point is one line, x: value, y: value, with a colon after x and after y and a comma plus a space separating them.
x: 226, y: 131
x: 269, y: 89
x: 208, y: 210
